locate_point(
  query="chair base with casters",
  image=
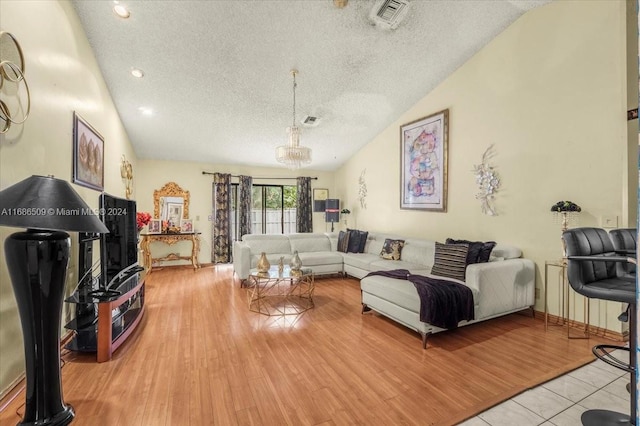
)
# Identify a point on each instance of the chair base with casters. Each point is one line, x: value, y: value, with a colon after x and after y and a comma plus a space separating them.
x: 592, y: 272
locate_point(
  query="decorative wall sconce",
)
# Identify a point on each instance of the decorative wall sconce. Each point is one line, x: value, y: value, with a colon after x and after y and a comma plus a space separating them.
x: 488, y: 183
x: 126, y: 172
x: 362, y: 190
x: 12, y: 74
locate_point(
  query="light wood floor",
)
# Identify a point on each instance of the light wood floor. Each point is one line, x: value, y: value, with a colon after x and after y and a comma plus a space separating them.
x: 201, y: 358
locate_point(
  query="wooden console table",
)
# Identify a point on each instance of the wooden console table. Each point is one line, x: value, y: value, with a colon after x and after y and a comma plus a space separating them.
x: 169, y: 239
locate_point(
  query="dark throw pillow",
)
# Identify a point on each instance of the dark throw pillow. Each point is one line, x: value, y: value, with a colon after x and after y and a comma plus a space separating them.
x: 363, y: 240
x: 474, y: 249
x: 479, y: 252
x: 485, y: 253
x: 354, y: 241
x: 357, y: 240
x: 392, y: 249
x: 450, y: 260
x: 343, y: 241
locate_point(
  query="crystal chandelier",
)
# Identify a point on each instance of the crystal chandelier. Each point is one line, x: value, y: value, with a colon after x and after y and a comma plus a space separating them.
x: 293, y: 155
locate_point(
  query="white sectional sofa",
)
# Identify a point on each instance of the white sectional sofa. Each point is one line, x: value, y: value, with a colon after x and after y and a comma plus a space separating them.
x: 319, y: 252
x: 315, y: 251
x: 504, y: 285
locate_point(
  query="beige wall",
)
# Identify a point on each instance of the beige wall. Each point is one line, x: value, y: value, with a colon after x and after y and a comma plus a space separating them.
x: 547, y: 94
x: 63, y: 77
x: 154, y: 174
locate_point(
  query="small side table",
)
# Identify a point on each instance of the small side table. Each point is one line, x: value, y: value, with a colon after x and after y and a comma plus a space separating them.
x: 564, y: 282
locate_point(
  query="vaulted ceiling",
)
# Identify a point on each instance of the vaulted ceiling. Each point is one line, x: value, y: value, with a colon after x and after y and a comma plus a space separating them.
x: 217, y: 86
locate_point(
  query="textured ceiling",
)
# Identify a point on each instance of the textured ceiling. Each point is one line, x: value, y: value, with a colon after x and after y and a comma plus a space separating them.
x: 217, y: 73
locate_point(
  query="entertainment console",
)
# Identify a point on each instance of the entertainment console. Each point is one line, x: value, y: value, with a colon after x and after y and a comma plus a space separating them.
x: 117, y: 317
x: 109, y: 305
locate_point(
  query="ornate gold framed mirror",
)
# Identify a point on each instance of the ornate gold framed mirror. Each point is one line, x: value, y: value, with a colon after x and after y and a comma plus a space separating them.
x: 169, y: 201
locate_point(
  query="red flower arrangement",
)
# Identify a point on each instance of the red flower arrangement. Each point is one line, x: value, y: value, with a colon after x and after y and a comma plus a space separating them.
x: 142, y: 219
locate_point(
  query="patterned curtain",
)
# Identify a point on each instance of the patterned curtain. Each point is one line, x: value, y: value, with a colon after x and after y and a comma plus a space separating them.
x: 244, y: 205
x: 303, y: 206
x: 221, y: 250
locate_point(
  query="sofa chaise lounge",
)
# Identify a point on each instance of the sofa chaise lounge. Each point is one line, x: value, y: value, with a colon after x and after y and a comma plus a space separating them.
x: 504, y: 285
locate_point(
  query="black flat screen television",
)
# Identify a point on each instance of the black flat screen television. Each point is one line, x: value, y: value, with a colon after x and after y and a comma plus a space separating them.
x: 118, y: 248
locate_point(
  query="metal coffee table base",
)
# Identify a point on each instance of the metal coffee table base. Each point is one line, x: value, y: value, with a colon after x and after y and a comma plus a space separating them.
x: 285, y: 293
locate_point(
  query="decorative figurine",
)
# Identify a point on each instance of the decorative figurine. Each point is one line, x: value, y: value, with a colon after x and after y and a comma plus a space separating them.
x: 263, y: 263
x: 296, y: 263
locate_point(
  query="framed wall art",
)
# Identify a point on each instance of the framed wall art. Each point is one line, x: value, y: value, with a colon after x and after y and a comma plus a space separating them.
x: 88, y: 155
x: 320, y: 196
x: 423, y: 163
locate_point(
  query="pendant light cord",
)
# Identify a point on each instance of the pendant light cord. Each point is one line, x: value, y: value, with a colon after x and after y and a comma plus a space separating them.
x: 294, y: 72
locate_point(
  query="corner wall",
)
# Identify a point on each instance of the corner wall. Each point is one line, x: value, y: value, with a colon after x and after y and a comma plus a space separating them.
x: 63, y: 77
x: 550, y: 93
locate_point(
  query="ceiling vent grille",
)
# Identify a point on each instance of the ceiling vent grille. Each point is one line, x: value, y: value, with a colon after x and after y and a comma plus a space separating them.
x: 388, y: 14
x: 310, y: 121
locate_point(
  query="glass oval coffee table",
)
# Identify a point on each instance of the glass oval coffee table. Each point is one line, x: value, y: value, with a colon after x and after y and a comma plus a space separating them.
x: 281, y: 293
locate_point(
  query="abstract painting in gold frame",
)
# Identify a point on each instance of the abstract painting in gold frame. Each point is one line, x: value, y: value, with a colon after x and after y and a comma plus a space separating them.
x: 423, y: 163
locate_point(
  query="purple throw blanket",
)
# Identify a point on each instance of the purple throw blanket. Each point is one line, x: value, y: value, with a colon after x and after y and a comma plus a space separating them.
x: 442, y: 303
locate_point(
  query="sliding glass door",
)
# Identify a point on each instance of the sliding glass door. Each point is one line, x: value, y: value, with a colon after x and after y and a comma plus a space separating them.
x: 273, y: 209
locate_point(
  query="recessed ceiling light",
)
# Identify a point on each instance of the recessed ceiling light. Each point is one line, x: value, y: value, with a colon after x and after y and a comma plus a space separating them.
x: 137, y: 72
x: 145, y: 111
x: 121, y: 11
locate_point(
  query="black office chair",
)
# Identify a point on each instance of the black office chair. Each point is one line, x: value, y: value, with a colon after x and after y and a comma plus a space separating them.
x: 625, y: 243
x: 591, y: 270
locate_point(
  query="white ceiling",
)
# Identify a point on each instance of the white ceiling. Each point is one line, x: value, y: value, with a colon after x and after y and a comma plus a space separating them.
x: 217, y: 73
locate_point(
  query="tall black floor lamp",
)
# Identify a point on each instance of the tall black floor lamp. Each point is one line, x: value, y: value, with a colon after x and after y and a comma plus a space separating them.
x: 332, y: 211
x: 37, y: 261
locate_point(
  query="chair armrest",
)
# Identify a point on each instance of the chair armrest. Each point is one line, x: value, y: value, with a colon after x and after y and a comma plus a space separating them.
x: 599, y: 258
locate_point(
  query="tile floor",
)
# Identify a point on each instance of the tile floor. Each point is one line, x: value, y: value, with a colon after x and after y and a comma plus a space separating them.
x: 562, y: 401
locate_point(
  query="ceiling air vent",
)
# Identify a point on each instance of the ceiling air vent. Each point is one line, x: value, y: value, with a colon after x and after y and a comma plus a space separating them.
x: 388, y: 14
x: 310, y: 121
